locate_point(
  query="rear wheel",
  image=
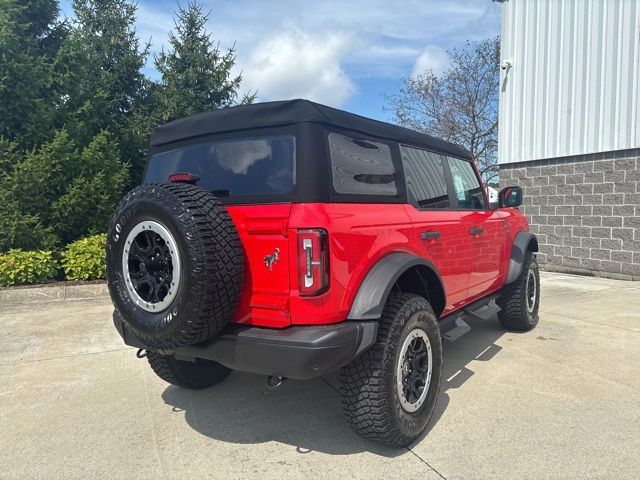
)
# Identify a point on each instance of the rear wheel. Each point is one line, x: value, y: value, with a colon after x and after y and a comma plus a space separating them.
x: 520, y: 300
x: 389, y: 393
x: 195, y: 375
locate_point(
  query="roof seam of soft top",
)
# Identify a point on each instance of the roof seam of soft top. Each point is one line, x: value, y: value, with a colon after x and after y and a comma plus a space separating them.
x: 315, y: 107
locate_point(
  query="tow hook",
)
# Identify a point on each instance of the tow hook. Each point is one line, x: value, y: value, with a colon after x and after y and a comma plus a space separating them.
x: 274, y: 382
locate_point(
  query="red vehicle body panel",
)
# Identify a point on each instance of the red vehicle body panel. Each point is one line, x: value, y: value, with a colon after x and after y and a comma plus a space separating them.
x: 471, y: 266
x: 265, y: 295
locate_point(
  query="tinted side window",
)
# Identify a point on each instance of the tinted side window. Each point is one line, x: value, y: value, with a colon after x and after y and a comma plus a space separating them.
x: 244, y: 166
x: 424, y: 175
x: 361, y: 166
x: 465, y: 184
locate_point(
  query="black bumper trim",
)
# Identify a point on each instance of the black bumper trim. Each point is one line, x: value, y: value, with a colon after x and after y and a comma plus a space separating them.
x: 297, y: 352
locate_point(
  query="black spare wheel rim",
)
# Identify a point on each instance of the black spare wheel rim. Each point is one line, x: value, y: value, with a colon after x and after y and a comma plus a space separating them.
x: 174, y: 264
x: 151, y: 266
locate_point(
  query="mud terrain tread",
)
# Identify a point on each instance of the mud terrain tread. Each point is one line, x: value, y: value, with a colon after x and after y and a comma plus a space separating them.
x: 365, y: 383
x: 214, y: 251
x: 513, y: 302
x: 195, y: 375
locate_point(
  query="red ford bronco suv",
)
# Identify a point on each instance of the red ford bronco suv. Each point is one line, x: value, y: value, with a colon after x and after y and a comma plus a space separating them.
x: 293, y: 240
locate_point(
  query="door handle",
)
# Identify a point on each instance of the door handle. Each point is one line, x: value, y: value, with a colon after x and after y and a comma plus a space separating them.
x: 430, y: 235
x: 476, y: 231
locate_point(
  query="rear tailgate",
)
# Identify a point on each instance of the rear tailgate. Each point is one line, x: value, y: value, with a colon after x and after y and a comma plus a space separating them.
x: 263, y: 230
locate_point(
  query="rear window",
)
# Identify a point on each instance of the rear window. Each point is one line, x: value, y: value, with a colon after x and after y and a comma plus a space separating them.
x: 247, y: 166
x: 361, y: 166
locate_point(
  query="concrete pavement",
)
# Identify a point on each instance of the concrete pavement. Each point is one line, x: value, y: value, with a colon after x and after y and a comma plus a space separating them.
x: 562, y: 401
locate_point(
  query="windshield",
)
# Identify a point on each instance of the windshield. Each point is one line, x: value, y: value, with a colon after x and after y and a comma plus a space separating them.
x: 247, y: 166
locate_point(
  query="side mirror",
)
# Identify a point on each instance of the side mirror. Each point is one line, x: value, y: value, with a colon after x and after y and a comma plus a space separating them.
x: 510, y: 197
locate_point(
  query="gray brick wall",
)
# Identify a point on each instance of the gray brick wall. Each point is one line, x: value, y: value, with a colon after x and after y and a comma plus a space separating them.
x: 585, y: 211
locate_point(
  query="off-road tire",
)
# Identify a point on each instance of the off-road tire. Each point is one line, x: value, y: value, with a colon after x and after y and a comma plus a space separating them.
x: 368, y: 384
x: 195, y: 375
x: 211, y: 264
x: 515, y: 314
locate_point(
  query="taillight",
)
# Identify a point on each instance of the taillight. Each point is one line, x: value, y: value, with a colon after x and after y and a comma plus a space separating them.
x: 313, y: 261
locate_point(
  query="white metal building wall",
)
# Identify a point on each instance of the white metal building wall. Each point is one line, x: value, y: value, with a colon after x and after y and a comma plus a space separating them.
x: 574, y: 82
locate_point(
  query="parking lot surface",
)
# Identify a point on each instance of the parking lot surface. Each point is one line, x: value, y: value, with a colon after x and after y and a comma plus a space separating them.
x: 561, y: 401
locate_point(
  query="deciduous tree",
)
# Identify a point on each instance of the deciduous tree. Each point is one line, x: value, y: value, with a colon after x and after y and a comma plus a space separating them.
x: 459, y: 104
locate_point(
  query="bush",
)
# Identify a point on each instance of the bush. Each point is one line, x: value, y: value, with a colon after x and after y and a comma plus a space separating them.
x: 84, y: 258
x: 90, y: 198
x: 22, y: 231
x: 58, y: 193
x: 19, y: 268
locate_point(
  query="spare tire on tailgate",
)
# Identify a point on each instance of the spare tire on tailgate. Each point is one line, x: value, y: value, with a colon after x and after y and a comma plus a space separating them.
x: 174, y: 264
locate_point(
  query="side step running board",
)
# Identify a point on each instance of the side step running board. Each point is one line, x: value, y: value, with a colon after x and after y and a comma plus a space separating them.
x: 460, y: 327
x: 454, y: 326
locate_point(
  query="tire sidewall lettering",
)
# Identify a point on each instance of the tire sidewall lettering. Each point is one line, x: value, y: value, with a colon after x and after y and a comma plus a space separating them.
x: 412, y: 422
x: 144, y: 322
x: 184, y: 320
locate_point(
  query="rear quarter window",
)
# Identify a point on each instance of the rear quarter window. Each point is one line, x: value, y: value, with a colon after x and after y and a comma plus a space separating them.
x: 361, y: 166
x: 237, y: 167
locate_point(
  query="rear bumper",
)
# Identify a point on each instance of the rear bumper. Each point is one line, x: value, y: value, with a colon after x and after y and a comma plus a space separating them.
x: 300, y: 352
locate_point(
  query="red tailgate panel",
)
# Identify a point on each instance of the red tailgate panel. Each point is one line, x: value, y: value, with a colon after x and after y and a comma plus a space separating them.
x: 263, y: 230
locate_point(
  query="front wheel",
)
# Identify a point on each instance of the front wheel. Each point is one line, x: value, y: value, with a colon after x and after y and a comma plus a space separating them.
x: 389, y: 393
x: 195, y: 375
x: 519, y: 300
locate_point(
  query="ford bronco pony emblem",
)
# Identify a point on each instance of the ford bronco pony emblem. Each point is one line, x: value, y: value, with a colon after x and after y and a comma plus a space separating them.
x: 269, y: 260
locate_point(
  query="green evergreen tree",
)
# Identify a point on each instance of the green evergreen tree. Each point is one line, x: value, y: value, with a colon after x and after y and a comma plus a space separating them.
x: 98, y: 77
x: 21, y: 230
x: 196, y: 75
x: 68, y: 89
x: 29, y: 36
x: 59, y: 192
x: 89, y: 200
x: 8, y: 155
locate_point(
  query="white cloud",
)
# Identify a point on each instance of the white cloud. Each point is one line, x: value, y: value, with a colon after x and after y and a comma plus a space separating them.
x: 432, y: 57
x: 295, y: 64
x: 336, y: 44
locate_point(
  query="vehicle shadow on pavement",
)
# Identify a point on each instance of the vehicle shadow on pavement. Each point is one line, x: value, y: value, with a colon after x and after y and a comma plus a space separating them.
x: 307, y: 414
x: 477, y: 345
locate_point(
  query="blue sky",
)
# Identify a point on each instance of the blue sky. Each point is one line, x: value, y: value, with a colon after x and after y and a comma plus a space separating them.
x: 345, y: 54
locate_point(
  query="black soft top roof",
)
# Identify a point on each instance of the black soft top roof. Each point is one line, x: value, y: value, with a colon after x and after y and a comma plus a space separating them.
x: 290, y: 112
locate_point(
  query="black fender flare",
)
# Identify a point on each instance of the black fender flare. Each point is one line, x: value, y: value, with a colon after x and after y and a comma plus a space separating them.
x: 376, y: 286
x: 523, y: 242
